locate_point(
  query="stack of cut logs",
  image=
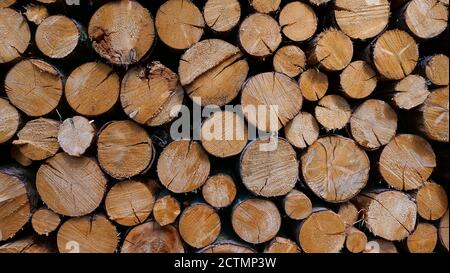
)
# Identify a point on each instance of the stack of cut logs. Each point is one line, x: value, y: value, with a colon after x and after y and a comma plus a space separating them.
x: 89, y: 94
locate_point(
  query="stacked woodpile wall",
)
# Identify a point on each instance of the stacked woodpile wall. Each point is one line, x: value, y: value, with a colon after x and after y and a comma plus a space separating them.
x: 355, y: 161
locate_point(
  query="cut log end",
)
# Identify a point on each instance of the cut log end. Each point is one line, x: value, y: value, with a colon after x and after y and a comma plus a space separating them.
x: 407, y: 162
x: 322, y: 232
x: 179, y: 24
x: 423, y: 239
x: 222, y: 16
x: 92, y: 89
x: 256, y: 220
x: 199, y: 225
x: 72, y: 186
x: 443, y: 231
x: 373, y: 124
x: 302, y: 131
x: 433, y: 116
x: 432, y: 201
x: 45, y: 221
x: 57, y: 36
x: 356, y: 240
x: 166, y: 210
x: 77, y: 234
x: 395, y: 54
x: 380, y: 246
x: 34, y: 86
x: 349, y: 214
x: 38, y: 139
x: 358, y: 80
x: 183, y: 166
x: 290, y: 60
x: 122, y: 32
x: 298, y: 21
x: 332, y: 50
x: 335, y: 168
x: 15, y: 34
x: 75, y: 135
x: 282, y: 245
x: 437, y: 69
x: 410, y: 92
x: 268, y: 170
x: 129, y: 202
x: 152, y: 238
x: 227, y: 247
x: 9, y: 121
x: 7, y: 3
x: 426, y: 18
x: 350, y: 15
x: 270, y: 100
x: 124, y: 149
x: 333, y: 112
x: 260, y: 35
x: 313, y: 84
x: 36, y: 13
x: 265, y: 6
x: 297, y: 205
x: 28, y: 244
x: 219, y: 190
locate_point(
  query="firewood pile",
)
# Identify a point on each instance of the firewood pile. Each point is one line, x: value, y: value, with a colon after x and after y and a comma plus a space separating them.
x: 224, y: 126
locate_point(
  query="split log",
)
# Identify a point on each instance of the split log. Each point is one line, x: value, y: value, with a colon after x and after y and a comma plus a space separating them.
x: 224, y: 134
x: 45, y: 221
x: 270, y: 100
x: 151, y: 94
x: 331, y: 50
x: 407, y: 162
x: 380, y: 246
x: 122, y: 32
x: 15, y: 35
x: 358, y: 80
x: 395, y: 54
x: 92, y: 89
x: 313, y: 84
x: 298, y: 21
x: 335, y: 168
x: 9, y: 121
x: 17, y: 202
x: 166, y: 210
x: 34, y: 86
x: 425, y: 18
x: 124, y: 149
x: 256, y: 220
x: 373, y: 124
x: 38, y: 139
x: 17, y: 155
x: 152, y: 238
x: 290, y: 60
x: 282, y: 245
x: 76, y: 135
x: 436, y: 69
x: 297, y: 205
x: 355, y: 240
x: 302, y: 131
x: 72, y: 186
x: 214, y: 71
x: 199, y: 225
x: 322, y: 232
x: 433, y: 116
x: 183, y: 166
x: 29, y: 244
x: 179, y: 24
x: 443, y: 231
x: 227, y: 246
x: 423, y: 239
x: 260, y: 35
x: 388, y: 214
x: 333, y: 112
x: 88, y: 234
x: 59, y: 36
x: 265, y: 6
x: 351, y: 15
x: 129, y: 202
x: 222, y: 15
x: 36, y: 13
x: 432, y: 201
x: 269, y: 172
x: 410, y: 92
x: 219, y: 190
